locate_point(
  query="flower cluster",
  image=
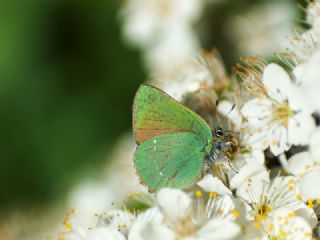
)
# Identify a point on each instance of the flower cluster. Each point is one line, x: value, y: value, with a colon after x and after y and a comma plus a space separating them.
x: 269, y: 188
x: 163, y: 29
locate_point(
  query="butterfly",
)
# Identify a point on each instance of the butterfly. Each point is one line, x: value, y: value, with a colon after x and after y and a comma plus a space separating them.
x: 174, y: 143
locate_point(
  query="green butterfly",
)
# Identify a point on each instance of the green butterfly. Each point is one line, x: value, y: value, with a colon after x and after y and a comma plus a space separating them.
x: 174, y: 142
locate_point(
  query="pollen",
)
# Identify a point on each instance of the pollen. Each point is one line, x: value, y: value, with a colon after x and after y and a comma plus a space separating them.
x: 66, y: 222
x: 270, y: 227
x: 67, y: 226
x: 283, y: 234
x: 235, y: 213
x: 256, y: 224
x: 310, y: 203
x: 213, y: 195
x: 198, y: 193
x: 291, y: 215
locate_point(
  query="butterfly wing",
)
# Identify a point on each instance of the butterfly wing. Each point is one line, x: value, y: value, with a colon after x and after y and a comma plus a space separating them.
x: 170, y: 160
x: 156, y: 113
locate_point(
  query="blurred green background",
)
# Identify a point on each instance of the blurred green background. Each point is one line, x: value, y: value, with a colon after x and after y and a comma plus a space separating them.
x: 66, y: 87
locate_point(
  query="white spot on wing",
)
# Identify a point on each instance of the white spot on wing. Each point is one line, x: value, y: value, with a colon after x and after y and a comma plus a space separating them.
x: 154, y: 142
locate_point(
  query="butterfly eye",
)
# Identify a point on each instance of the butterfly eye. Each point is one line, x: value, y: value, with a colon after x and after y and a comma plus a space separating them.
x: 219, y: 132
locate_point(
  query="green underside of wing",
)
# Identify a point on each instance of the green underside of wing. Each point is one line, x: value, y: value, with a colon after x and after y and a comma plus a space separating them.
x: 170, y: 160
x: 156, y: 113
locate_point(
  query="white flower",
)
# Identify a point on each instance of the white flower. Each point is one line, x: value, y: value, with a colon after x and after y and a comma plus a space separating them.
x: 303, y: 47
x: 146, y: 21
x: 251, y: 141
x: 281, y: 224
x: 119, y: 220
x: 313, y: 13
x: 262, y: 195
x: 284, y: 116
x: 148, y: 225
x: 73, y: 230
x: 247, y: 171
x: 163, y: 28
x: 253, y: 35
x: 178, y: 45
x: 307, y: 75
x: 104, y: 233
x: 306, y: 167
x: 203, y: 71
x: 213, y: 185
x: 314, y: 145
x: 195, y: 220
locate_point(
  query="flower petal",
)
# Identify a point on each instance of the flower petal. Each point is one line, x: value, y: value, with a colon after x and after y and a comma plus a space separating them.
x: 277, y: 82
x: 104, y: 233
x: 226, y: 108
x: 246, y: 172
x: 314, y: 145
x: 309, y: 185
x: 218, y: 229
x: 299, y: 163
x: 174, y: 203
x: 213, y: 184
x: 308, y: 215
x: 300, y: 128
x: 257, y: 111
x: 288, y: 225
x: 145, y: 226
x: 146, y: 231
x: 278, y: 137
x: 121, y: 218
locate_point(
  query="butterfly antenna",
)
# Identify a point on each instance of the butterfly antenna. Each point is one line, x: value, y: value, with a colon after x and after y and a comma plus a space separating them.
x: 226, y: 116
x: 220, y: 122
x: 231, y: 109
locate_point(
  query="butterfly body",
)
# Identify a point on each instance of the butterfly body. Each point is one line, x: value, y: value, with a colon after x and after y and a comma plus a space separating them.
x: 174, y: 143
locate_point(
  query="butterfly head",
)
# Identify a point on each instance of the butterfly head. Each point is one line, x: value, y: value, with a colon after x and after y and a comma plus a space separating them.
x: 228, y: 143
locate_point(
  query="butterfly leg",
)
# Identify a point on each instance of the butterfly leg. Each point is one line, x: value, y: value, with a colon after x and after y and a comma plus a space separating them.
x: 220, y: 158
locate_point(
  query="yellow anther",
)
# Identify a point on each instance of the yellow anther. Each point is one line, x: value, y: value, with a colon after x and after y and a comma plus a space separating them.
x: 282, y: 234
x: 310, y: 203
x: 235, y: 213
x: 67, y: 226
x: 213, y: 194
x: 198, y: 193
x: 291, y: 215
x: 256, y: 224
x: 260, y: 217
x: 270, y: 227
